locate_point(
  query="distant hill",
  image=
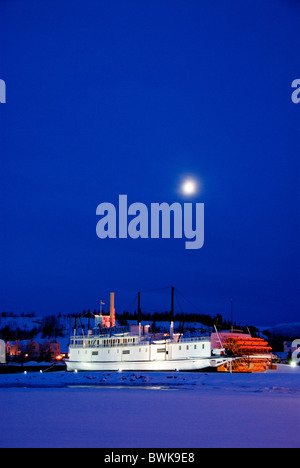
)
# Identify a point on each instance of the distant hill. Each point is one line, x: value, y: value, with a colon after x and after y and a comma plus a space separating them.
x: 286, y: 330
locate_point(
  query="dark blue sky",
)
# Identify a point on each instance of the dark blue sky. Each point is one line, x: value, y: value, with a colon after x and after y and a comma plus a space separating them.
x: 125, y: 97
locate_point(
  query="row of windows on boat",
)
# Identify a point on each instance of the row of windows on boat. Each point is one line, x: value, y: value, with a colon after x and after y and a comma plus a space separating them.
x: 111, y: 342
x: 116, y: 342
x: 158, y: 350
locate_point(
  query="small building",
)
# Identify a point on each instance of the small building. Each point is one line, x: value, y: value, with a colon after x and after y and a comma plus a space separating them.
x: 34, y: 350
x: 14, y: 348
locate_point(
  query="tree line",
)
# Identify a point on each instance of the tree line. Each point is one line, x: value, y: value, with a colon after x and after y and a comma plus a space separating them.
x: 53, y: 325
x: 181, y: 317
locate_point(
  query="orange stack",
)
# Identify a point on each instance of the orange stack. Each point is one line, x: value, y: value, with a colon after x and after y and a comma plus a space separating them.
x: 251, y: 354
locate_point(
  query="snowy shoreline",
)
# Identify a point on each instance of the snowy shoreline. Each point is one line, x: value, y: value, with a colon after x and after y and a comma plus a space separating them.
x: 284, y: 379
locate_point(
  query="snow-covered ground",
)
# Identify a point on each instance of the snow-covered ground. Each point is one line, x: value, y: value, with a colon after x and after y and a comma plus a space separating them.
x: 151, y: 410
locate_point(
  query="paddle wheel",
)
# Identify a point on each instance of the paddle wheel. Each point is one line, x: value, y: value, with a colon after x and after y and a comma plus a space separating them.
x: 251, y: 354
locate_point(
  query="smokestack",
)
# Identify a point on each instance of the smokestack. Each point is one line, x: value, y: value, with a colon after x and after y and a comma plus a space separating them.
x: 112, y: 310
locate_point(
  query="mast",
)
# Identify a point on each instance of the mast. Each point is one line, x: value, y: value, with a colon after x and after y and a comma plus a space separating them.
x: 75, y: 326
x: 172, y: 313
x: 139, y: 313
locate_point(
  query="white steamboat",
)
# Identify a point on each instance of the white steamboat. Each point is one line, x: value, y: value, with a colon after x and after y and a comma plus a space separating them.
x: 111, y: 348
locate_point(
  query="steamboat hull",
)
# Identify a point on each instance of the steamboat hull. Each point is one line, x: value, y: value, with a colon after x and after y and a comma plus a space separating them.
x: 159, y: 366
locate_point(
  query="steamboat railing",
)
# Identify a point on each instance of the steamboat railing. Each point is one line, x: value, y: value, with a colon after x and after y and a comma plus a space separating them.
x: 88, y: 341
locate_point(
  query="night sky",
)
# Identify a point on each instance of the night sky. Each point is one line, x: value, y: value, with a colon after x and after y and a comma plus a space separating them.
x: 109, y: 97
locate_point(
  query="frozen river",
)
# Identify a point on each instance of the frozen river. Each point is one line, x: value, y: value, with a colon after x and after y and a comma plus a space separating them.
x: 180, y: 410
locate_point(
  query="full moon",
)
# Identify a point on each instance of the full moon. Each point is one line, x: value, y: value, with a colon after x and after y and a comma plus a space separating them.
x: 189, y: 187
